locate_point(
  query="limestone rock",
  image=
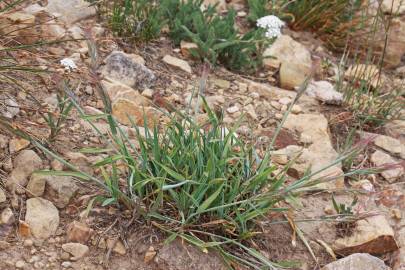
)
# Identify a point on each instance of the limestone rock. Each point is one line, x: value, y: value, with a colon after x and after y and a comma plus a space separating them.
x: 25, y: 163
x: 36, y: 185
x: 78, y: 232
x: 325, y: 92
x: 71, y: 11
x: 77, y: 250
x: 177, y: 62
x: 60, y: 189
x: 357, y: 261
x: 127, y: 69
x: 380, y: 158
x: 293, y: 59
x: 42, y: 217
x: 371, y: 235
x: 391, y: 145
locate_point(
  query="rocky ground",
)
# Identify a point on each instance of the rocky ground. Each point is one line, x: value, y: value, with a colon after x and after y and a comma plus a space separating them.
x: 45, y: 222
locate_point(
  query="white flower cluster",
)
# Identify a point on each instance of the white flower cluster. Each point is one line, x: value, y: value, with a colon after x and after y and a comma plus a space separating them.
x: 68, y: 63
x: 272, y: 24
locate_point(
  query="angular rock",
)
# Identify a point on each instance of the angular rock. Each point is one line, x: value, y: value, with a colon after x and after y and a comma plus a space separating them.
x: 36, y: 185
x: 60, y: 189
x: 177, y: 62
x: 126, y: 69
x: 182, y: 256
x: 293, y: 59
x: 371, y: 235
x: 123, y: 109
x: 187, y: 48
x: 16, y: 145
x: 391, y: 145
x: 77, y: 250
x: 80, y: 161
x: 42, y: 217
x: 71, y: 11
x: 396, y: 129
x: 7, y: 216
x: 394, y: 170
x: 78, y: 232
x: 25, y: 163
x: 325, y: 92
x: 357, y: 261
x: 9, y: 107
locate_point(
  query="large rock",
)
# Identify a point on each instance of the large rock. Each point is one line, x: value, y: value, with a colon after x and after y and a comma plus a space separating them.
x: 357, y: 261
x: 394, y: 170
x: 25, y: 163
x: 42, y: 217
x: 128, y: 70
x: 313, y: 130
x: 71, y: 11
x: 371, y: 235
x: 293, y: 59
x: 60, y: 190
x: 182, y: 256
x: 325, y: 92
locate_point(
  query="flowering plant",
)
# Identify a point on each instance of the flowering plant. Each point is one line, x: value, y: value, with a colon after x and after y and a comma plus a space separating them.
x: 272, y: 24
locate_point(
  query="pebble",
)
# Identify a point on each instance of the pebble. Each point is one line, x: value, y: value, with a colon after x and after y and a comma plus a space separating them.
x: 278, y: 116
x: 296, y: 109
x: 20, y: 264
x: 233, y: 109
x: 66, y: 264
x: 28, y: 243
x: 275, y: 104
x: 284, y: 101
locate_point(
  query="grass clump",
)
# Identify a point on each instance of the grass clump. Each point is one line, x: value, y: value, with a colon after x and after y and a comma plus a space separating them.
x: 135, y: 20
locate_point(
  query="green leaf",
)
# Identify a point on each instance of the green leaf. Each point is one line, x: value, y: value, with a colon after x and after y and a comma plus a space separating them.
x: 209, y: 200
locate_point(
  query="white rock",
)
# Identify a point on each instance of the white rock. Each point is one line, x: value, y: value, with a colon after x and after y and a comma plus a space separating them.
x: 42, y: 217
x: 380, y: 158
x: 71, y: 11
x: 177, y: 62
x: 391, y: 145
x: 357, y: 261
x: 9, y: 107
x: 325, y: 92
x: 233, y: 109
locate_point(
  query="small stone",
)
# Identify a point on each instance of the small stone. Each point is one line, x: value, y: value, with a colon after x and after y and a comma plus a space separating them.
x: 65, y: 256
x: 9, y: 108
x: 4, y: 245
x: 223, y: 84
x: 243, y: 87
x: 60, y: 189
x: 57, y: 165
x: 26, y: 162
x: 148, y: 93
x: 329, y: 210
x: 28, y: 243
x: 233, y: 109
x: 275, y: 105
x: 284, y: 101
x: 393, y: 171
x: 20, y: 264
x: 78, y: 232
x: 178, y: 63
x: 187, y: 48
x: 296, y: 109
x: 149, y: 255
x: 89, y: 90
x: 66, y: 264
x: 396, y: 213
x: 357, y: 261
x: 42, y: 217
x: 16, y: 145
x: 7, y: 216
x: 77, y: 250
x: 324, y: 92
x: 36, y: 185
x: 278, y: 116
x: 24, y: 229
